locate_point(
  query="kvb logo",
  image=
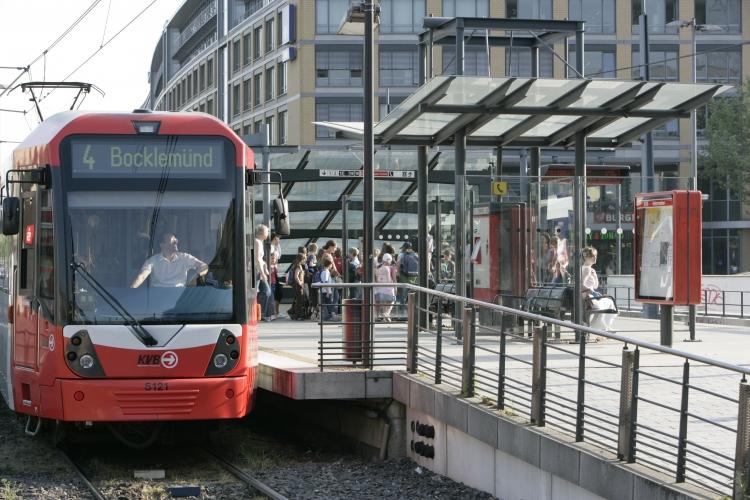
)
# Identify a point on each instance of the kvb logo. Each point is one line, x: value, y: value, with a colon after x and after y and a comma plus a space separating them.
x: 169, y: 359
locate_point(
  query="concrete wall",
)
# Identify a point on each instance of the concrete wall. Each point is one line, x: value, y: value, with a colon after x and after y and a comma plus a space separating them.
x: 513, y: 460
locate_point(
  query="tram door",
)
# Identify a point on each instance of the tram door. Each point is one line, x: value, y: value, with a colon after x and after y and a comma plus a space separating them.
x: 26, y: 327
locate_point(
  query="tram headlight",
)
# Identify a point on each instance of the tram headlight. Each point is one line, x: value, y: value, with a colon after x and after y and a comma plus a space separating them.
x: 220, y: 360
x: 86, y: 361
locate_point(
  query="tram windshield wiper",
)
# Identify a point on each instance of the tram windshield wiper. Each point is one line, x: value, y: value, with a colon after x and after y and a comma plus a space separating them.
x: 143, y: 335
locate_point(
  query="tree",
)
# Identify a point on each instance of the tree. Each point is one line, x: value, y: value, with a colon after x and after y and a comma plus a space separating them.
x: 726, y: 157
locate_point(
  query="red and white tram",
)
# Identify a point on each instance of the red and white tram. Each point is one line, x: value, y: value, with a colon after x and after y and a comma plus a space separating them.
x: 127, y: 273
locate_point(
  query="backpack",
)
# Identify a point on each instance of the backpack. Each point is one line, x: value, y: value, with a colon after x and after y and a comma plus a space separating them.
x: 410, y: 265
x: 316, y: 276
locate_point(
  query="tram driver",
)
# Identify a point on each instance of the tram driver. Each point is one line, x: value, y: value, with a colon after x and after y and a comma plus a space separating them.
x: 170, y: 267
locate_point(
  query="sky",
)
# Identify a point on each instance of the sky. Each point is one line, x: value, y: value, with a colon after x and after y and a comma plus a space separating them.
x: 120, y: 69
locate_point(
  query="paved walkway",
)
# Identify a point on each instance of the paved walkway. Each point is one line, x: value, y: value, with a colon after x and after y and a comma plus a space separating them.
x: 710, y: 426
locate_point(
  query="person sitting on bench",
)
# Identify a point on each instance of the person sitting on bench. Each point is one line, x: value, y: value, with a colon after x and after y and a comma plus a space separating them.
x: 602, y: 308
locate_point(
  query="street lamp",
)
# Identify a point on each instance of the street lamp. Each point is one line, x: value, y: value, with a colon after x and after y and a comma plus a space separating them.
x: 691, y: 23
x: 695, y: 27
x: 362, y: 19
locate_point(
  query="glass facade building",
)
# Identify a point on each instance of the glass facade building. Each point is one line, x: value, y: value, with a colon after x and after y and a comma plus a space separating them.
x: 279, y: 65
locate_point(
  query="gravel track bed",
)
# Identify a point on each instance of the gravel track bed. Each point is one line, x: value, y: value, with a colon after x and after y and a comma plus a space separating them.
x: 32, y: 468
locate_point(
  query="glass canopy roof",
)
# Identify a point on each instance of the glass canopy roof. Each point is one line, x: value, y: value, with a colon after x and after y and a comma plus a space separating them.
x: 534, y: 111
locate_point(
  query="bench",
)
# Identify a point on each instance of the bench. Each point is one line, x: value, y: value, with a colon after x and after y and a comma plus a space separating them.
x: 446, y: 307
x: 556, y: 301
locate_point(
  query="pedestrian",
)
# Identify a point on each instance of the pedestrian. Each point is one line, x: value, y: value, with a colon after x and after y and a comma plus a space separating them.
x: 276, y: 247
x: 265, y: 297
x: 312, y: 267
x: 300, y: 305
x: 553, y: 263
x: 595, y: 300
x: 447, y: 266
x: 326, y: 293
x: 408, y: 270
x: 385, y: 296
x: 353, y: 271
x: 276, y: 285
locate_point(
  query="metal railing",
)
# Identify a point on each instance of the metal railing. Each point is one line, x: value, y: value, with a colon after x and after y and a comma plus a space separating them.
x: 647, y: 404
x: 676, y: 412
x: 359, y: 344
x: 714, y: 302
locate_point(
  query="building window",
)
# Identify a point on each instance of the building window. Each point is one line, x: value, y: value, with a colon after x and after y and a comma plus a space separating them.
x: 269, y: 35
x: 328, y: 15
x: 336, y: 112
x: 401, y: 16
x: 256, y: 43
x: 236, y: 56
x: 518, y: 62
x: 668, y: 130
x: 466, y: 8
x: 530, y: 9
x: 256, y: 89
x: 246, y: 128
x: 279, y: 29
x: 195, y: 82
x: 210, y: 72
x: 596, y: 63
x: 662, y: 64
x: 258, y: 126
x: 337, y: 66
x: 210, y: 106
x: 719, y: 66
x: 659, y: 13
x: 202, y: 77
x: 475, y: 61
x: 269, y: 129
x: 281, y: 77
x: 269, y: 83
x: 724, y: 13
x: 282, y: 124
x: 599, y: 15
x: 398, y: 66
x: 189, y: 88
x: 246, y: 95
x: 236, y: 102
x: 246, y: 54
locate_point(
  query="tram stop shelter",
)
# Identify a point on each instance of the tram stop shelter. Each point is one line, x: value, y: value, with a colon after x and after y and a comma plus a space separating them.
x: 463, y: 111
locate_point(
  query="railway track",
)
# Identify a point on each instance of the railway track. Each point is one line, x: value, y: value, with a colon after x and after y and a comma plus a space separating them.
x: 82, y: 475
x: 251, y: 481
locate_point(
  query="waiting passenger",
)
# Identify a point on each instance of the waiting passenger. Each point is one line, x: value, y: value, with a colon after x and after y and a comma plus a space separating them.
x: 602, y: 307
x: 170, y: 267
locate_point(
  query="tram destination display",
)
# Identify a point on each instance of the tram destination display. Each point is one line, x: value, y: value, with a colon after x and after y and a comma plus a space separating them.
x: 141, y: 156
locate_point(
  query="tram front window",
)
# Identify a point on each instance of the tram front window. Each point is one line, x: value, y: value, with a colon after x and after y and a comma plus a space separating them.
x: 165, y: 257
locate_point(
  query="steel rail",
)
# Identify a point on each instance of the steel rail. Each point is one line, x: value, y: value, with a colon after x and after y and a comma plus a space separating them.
x: 246, y: 478
x: 82, y: 476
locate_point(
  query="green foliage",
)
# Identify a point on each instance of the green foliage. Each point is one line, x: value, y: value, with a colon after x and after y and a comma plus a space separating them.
x: 726, y: 157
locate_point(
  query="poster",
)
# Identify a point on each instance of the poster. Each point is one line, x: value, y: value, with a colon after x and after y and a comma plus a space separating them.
x: 657, y: 250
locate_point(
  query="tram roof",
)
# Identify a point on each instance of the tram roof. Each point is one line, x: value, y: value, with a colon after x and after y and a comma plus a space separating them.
x: 42, y: 145
x: 529, y: 112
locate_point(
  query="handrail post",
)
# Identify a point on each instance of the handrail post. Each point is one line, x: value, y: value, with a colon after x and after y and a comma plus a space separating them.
x: 439, y: 342
x: 539, y: 375
x: 742, y: 450
x: 467, y: 371
x: 581, y: 396
x: 411, y: 336
x: 627, y: 375
x: 501, y: 369
x: 682, y: 442
x: 320, y: 322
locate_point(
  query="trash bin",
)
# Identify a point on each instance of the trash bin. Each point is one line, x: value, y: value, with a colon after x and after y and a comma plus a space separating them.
x: 354, y: 331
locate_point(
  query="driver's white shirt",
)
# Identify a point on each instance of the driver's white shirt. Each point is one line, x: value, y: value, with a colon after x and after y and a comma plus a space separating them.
x: 170, y: 272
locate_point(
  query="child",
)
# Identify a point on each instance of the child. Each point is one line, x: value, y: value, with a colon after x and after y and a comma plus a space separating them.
x: 326, y: 293
x: 385, y: 296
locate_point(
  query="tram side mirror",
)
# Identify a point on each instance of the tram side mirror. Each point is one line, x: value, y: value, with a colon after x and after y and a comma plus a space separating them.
x: 11, y: 215
x: 281, y: 216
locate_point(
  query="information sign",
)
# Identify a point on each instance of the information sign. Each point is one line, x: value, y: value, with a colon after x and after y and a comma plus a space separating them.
x: 393, y: 174
x: 668, y: 241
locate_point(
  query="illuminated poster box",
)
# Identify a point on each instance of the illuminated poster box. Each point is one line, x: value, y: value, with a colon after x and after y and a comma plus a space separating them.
x: 668, y: 242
